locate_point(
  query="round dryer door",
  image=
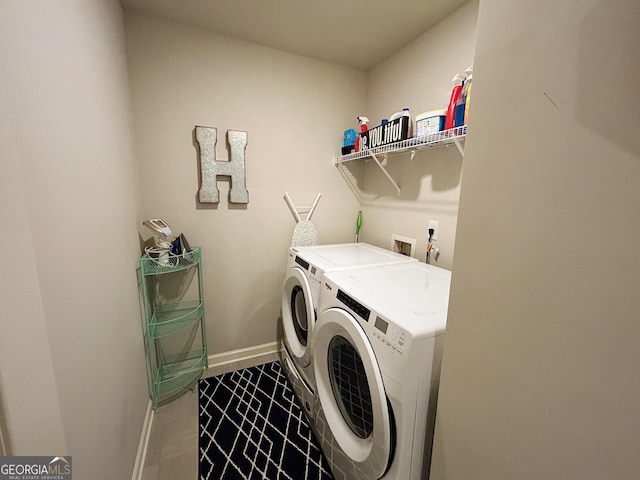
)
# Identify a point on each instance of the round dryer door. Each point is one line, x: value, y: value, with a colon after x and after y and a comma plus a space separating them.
x: 352, y: 414
x: 298, y: 315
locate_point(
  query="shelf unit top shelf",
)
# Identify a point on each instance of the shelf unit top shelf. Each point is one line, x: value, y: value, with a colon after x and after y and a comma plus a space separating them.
x: 171, y: 264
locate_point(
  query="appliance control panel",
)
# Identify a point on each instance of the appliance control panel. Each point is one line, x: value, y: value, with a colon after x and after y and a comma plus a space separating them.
x: 390, y: 335
x: 303, y: 263
x: 359, y: 309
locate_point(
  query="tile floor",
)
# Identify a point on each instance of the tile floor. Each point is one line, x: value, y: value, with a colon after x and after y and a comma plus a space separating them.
x: 172, y: 451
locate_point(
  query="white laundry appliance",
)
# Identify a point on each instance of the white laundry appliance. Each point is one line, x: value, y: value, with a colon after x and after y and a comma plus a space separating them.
x: 300, y: 296
x: 377, y: 348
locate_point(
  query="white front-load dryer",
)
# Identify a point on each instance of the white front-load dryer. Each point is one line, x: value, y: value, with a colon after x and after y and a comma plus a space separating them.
x: 377, y: 348
x: 301, y: 295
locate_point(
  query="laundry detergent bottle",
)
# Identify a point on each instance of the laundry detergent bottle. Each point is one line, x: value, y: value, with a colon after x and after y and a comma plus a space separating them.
x: 407, y: 113
x: 458, y: 118
x: 453, y: 100
x: 363, y: 128
x: 404, y: 113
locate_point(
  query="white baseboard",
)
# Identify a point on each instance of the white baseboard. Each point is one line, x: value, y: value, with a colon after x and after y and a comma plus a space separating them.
x: 144, y: 442
x: 218, y: 363
x: 242, y: 358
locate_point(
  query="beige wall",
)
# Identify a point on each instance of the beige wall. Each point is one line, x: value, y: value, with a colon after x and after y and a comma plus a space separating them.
x: 418, y: 77
x: 73, y: 374
x: 540, y: 374
x: 294, y: 110
x: 25, y: 357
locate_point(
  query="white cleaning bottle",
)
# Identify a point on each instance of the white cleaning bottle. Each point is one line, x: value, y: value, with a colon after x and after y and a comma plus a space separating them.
x: 404, y: 113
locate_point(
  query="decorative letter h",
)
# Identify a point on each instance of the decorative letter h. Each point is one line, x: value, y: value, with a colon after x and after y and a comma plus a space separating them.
x: 210, y: 168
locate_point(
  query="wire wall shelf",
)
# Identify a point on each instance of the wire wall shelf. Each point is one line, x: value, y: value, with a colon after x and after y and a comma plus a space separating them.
x: 453, y: 136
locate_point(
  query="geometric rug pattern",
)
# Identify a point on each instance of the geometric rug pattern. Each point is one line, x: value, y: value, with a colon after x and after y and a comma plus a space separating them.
x: 252, y: 427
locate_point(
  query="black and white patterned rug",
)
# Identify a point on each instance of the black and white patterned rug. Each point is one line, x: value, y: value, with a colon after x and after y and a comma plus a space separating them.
x: 252, y: 427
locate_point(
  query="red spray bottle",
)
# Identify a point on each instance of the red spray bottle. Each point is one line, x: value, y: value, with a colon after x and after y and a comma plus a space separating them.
x: 453, y: 100
x: 363, y: 128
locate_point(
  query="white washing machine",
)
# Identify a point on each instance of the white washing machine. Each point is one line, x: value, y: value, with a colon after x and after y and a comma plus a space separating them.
x: 301, y: 294
x: 377, y: 348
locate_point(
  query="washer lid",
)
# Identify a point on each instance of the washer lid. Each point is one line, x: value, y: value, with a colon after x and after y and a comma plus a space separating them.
x: 349, y: 255
x: 406, y: 294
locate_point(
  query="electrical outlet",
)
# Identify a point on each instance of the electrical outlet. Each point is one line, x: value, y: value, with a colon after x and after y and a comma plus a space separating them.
x: 403, y: 245
x: 433, y: 224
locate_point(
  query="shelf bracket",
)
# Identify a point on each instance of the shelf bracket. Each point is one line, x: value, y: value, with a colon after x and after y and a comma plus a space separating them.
x: 459, y: 145
x: 384, y: 170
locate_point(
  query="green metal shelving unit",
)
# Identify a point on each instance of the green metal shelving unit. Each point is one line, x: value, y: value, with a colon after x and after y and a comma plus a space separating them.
x: 174, y: 332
